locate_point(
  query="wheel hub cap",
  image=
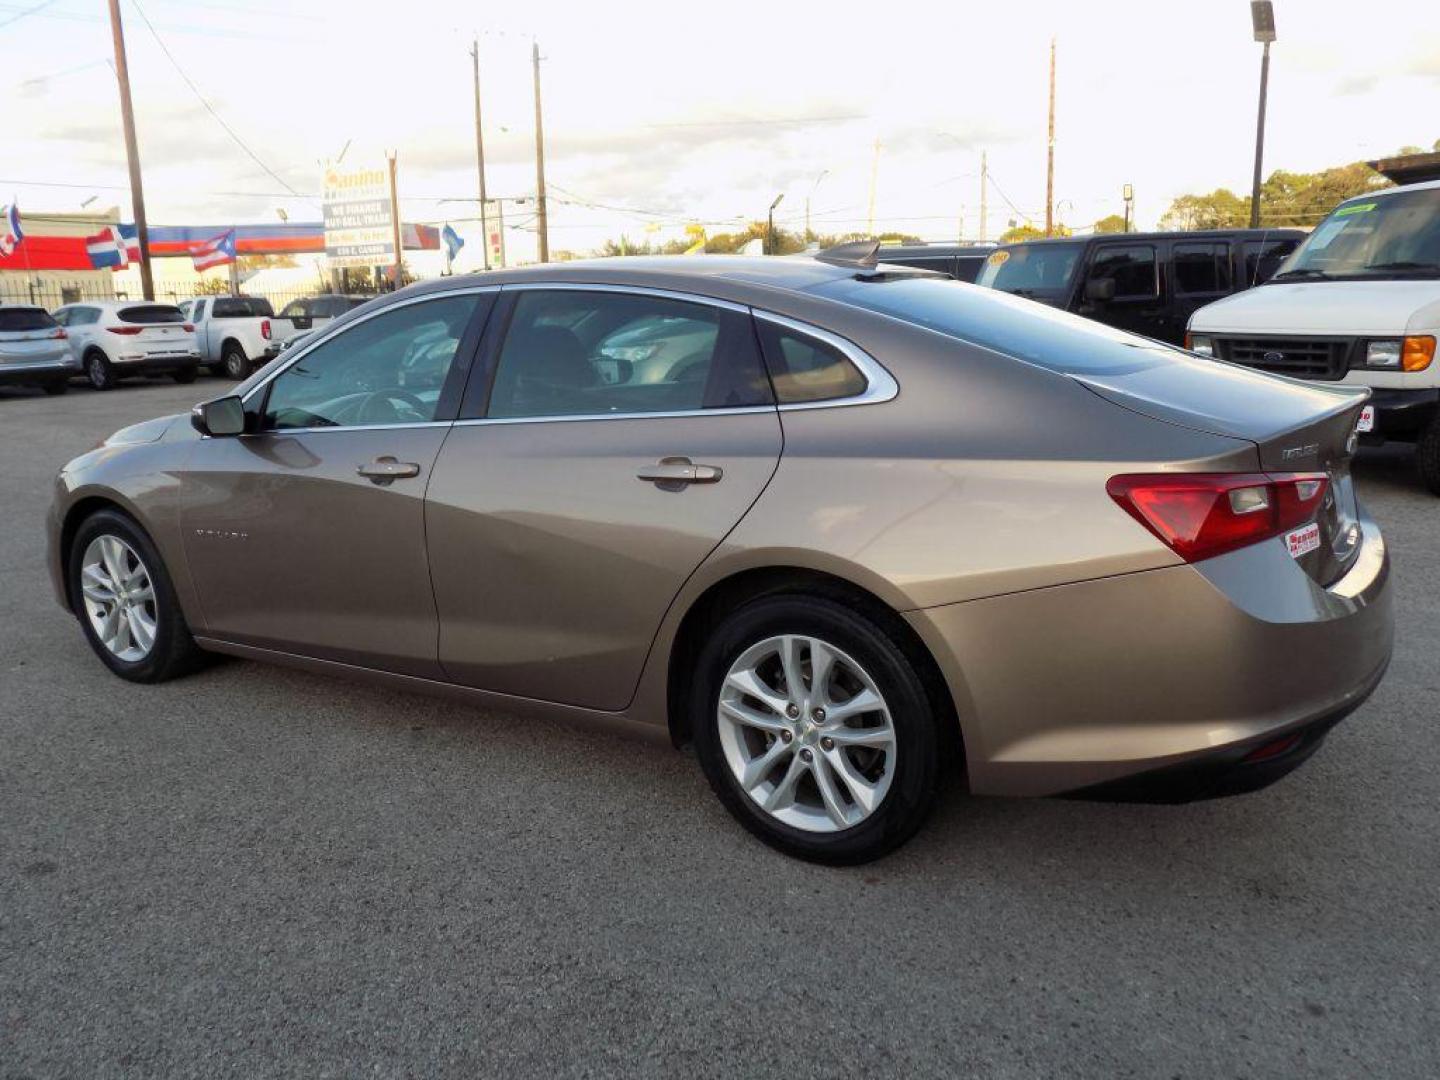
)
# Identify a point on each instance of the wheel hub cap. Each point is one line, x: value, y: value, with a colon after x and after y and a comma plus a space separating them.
x: 119, y: 598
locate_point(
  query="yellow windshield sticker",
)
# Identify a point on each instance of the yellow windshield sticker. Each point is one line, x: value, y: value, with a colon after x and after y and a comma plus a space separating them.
x: 998, y: 258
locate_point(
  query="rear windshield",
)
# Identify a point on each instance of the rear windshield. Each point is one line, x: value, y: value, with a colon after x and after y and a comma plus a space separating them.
x: 240, y: 307
x: 1035, y: 332
x: 151, y: 314
x: 17, y: 319
x: 1042, y: 271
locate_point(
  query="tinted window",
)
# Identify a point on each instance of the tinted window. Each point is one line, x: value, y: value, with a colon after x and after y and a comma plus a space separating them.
x: 1133, y: 269
x: 386, y: 370
x: 941, y: 264
x: 805, y: 369
x: 576, y: 353
x: 151, y: 314
x: 1201, y: 268
x: 1263, y: 258
x: 1033, y: 270
x: 237, y: 307
x: 296, y: 309
x: 17, y: 319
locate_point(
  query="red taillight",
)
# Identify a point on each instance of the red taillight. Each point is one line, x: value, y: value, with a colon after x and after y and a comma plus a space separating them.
x: 1201, y: 515
x: 59, y: 332
x: 265, y: 329
x: 189, y: 328
x: 127, y: 331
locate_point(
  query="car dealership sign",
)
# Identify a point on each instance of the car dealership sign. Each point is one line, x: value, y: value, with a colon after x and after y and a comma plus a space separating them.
x: 359, y: 226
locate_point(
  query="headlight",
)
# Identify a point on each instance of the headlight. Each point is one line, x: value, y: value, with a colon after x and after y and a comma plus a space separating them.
x: 1200, y: 343
x: 1383, y: 354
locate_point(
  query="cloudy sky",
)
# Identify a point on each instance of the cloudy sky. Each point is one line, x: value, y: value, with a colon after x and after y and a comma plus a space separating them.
x: 662, y: 114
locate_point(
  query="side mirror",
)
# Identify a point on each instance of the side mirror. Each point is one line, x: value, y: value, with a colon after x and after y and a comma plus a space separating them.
x: 223, y: 416
x: 1100, y: 290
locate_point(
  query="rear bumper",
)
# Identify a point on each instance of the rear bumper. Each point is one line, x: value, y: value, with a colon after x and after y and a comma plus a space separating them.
x: 1076, y: 686
x: 148, y: 365
x: 1402, y: 414
x: 29, y: 373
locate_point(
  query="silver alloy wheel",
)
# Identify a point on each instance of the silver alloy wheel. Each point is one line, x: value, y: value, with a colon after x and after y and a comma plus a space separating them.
x: 806, y: 733
x: 119, y: 597
x: 96, y: 370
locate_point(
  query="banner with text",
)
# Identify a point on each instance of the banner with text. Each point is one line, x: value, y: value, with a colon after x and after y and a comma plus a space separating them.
x: 359, y: 227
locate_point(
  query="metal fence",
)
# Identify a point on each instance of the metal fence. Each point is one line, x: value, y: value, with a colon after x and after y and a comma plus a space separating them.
x: 50, y: 293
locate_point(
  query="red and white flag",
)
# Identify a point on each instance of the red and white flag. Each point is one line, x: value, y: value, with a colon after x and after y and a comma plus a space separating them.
x: 216, y: 251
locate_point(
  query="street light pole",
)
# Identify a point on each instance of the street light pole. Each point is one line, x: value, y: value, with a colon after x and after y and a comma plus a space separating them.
x: 770, y: 225
x: 1262, y: 20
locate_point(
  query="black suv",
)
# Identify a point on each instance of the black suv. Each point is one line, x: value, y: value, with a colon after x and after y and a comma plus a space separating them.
x: 1147, y: 283
x: 959, y: 261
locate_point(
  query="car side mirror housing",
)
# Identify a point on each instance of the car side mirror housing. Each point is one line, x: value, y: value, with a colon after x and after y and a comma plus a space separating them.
x: 1100, y: 290
x: 220, y: 417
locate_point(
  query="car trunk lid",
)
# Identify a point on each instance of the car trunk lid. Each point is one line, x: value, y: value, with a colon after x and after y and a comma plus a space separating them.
x: 1296, y: 428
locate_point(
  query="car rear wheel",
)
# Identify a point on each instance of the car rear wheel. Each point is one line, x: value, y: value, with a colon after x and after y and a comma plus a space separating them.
x: 1427, y: 456
x: 99, y: 370
x: 59, y: 386
x: 815, y: 729
x: 235, y: 363
x: 126, y: 603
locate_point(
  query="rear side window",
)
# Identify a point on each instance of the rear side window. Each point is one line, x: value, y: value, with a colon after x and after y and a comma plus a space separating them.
x: 1133, y: 269
x: 19, y: 319
x: 151, y: 314
x: 804, y: 368
x: 240, y: 307
x: 1201, y: 269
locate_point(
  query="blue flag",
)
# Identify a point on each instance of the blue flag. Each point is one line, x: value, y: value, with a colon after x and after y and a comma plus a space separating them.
x: 453, y: 243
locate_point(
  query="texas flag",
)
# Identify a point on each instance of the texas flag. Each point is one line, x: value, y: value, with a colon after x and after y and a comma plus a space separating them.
x: 114, y: 246
x: 12, y: 234
x: 216, y: 251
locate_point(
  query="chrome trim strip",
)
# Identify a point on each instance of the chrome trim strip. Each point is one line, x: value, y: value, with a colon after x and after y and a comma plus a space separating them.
x: 325, y: 334
x: 880, y: 384
x: 741, y: 410
x: 641, y: 290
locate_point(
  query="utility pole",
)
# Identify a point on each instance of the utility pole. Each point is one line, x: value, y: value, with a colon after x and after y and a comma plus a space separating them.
x: 395, y: 221
x: 1262, y: 20
x: 1128, y: 191
x: 1050, y: 153
x: 480, y: 153
x: 874, y: 177
x: 770, y: 226
x: 541, y: 225
x: 132, y: 150
x: 984, y: 178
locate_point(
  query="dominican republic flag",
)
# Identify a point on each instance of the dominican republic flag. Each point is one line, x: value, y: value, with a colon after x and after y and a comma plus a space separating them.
x: 12, y: 235
x: 216, y: 251
x: 115, y: 246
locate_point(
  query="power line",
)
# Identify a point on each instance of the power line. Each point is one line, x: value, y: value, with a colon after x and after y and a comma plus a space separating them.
x: 28, y: 11
x: 208, y: 107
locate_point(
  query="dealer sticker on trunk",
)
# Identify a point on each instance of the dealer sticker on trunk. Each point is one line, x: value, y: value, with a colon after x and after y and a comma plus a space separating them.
x: 1302, y: 541
x: 1367, y: 419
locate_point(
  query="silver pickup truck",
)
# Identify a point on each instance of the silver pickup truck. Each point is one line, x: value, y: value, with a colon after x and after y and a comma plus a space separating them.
x: 236, y: 334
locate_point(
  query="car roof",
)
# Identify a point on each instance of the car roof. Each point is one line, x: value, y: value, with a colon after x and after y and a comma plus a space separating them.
x: 115, y: 305
x: 1397, y: 189
x: 1280, y: 232
x: 939, y: 251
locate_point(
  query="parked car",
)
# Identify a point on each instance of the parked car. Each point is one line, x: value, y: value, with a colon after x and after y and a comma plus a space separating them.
x: 236, y: 333
x: 1358, y: 304
x: 962, y: 262
x: 33, y: 349
x: 119, y: 339
x: 875, y: 528
x: 313, y: 312
x: 1147, y: 283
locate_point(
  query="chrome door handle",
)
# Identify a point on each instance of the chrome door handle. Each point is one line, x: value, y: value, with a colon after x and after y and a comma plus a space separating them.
x: 385, y: 470
x: 679, y: 471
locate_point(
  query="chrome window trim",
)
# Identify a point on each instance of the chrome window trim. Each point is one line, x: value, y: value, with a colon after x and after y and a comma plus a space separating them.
x: 880, y: 385
x: 341, y: 427
x: 322, y: 337
x: 672, y: 414
x: 638, y: 290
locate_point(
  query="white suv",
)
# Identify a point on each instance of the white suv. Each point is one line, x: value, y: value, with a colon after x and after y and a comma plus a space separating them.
x: 115, y: 339
x: 1358, y: 303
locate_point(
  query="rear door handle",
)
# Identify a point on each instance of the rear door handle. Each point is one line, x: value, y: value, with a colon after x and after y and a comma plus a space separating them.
x: 679, y: 471
x: 386, y: 470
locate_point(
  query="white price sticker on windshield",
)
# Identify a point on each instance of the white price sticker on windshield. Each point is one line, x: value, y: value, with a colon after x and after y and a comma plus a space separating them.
x: 1302, y: 541
x: 1367, y: 419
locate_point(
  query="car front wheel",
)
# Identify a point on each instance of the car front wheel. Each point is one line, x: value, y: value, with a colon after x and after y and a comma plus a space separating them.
x: 815, y: 729
x: 126, y: 603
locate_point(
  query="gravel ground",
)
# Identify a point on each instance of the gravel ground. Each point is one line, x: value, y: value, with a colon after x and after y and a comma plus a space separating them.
x: 256, y: 872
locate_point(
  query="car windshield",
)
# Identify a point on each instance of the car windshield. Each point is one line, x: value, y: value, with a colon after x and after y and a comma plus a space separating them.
x: 1035, y: 270
x: 1034, y: 332
x: 1388, y: 236
x: 151, y: 314
x: 18, y: 320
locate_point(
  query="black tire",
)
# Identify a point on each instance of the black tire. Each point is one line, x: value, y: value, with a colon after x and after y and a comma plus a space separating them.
x: 185, y: 377
x: 56, y: 388
x: 234, y: 363
x: 216, y: 369
x: 174, y: 651
x: 99, y: 371
x: 1427, y: 457
x: 919, y: 748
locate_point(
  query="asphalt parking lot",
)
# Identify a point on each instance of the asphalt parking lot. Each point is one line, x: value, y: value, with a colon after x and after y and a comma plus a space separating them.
x: 254, y: 872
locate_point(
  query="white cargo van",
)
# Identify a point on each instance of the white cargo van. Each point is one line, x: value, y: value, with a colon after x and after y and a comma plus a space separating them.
x: 1358, y: 303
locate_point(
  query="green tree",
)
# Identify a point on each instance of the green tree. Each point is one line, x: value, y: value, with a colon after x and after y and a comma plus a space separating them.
x: 1286, y: 198
x: 1115, y: 223
x: 1221, y: 209
x: 1017, y: 233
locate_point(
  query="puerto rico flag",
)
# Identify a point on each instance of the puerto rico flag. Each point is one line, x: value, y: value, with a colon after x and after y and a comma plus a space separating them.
x: 12, y: 235
x: 115, y: 246
x: 216, y: 251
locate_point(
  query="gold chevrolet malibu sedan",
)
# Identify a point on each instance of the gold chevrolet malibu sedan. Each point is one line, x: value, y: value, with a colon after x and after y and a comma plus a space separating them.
x: 846, y: 528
